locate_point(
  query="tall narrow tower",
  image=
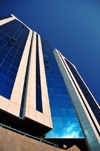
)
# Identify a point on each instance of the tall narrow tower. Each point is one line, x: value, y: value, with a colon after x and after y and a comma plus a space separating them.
x: 24, y: 101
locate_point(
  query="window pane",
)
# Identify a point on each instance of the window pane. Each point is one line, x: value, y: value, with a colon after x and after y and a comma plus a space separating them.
x: 55, y: 112
x: 71, y: 113
x: 59, y: 133
x: 9, y: 83
x: 5, y: 92
x: 6, y: 64
x: 50, y: 90
x: 61, y: 104
x: 69, y: 105
x: 60, y: 97
x: 52, y: 97
x: 66, y: 98
x: 63, y: 113
x: 11, y: 75
x: 3, y: 70
x: 53, y: 104
x: 50, y: 134
x: 57, y: 122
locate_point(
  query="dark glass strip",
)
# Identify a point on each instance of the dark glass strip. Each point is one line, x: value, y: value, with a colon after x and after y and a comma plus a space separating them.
x: 38, y: 82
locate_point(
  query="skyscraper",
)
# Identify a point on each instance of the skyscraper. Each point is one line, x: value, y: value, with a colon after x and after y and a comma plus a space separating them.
x: 41, y: 90
x: 23, y: 94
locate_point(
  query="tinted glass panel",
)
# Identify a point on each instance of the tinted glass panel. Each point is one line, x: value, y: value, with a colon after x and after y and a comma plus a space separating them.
x: 8, y: 59
x: 65, y: 123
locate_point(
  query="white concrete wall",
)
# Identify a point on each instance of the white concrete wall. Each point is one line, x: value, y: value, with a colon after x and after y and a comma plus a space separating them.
x: 91, y: 135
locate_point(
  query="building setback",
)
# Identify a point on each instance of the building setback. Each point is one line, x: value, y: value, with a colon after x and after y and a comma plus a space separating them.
x: 41, y: 92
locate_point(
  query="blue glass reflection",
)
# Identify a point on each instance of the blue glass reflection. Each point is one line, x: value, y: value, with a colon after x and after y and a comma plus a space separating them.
x: 65, y: 122
x: 68, y: 105
x: 8, y: 59
x: 5, y: 92
x: 50, y: 90
x: 57, y: 122
x: 63, y: 113
x: 55, y: 112
x: 50, y: 134
x: 2, y: 78
x: 71, y: 113
x: 59, y: 133
x: 53, y: 104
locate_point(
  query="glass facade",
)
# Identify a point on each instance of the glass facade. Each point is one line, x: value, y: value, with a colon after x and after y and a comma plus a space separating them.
x: 87, y: 95
x: 13, y: 36
x: 64, y: 119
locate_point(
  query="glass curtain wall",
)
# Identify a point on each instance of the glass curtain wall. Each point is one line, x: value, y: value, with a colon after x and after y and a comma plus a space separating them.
x: 13, y: 36
x: 64, y: 119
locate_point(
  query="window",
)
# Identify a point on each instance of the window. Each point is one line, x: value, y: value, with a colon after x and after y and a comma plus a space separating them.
x: 10, y: 44
x: 79, y: 81
x: 13, y: 39
x: 85, y: 93
x: 82, y: 87
x: 46, y: 61
x: 46, y: 67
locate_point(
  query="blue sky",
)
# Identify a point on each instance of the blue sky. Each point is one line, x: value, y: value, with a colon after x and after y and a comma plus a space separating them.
x: 71, y: 26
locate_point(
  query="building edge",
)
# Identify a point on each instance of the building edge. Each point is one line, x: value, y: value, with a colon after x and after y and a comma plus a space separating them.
x: 90, y: 133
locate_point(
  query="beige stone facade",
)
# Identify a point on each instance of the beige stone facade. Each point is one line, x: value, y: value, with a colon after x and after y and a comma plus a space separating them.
x: 12, y: 141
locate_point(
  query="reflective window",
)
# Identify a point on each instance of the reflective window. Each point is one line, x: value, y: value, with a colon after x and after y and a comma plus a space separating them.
x: 57, y: 122
x: 50, y: 90
x: 64, y: 119
x: 68, y: 105
x: 5, y: 92
x: 61, y: 104
x: 63, y: 113
x: 52, y: 97
x: 55, y: 112
x: 60, y: 97
x: 66, y: 98
x: 2, y: 78
x: 71, y: 113
x: 59, y: 133
x: 8, y: 59
x: 53, y: 104
x: 9, y: 83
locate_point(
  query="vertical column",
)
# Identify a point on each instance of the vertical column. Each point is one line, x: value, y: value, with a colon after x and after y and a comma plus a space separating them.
x: 15, y: 101
x: 30, y: 111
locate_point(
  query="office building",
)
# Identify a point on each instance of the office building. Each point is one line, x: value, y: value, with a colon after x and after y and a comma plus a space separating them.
x: 23, y: 94
x: 41, y: 92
